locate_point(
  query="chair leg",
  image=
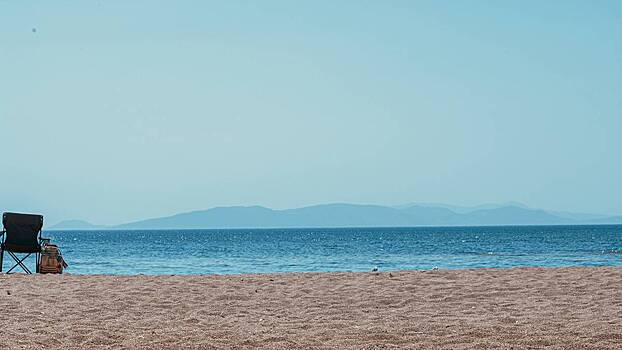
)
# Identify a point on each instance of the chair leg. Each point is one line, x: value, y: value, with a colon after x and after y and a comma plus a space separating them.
x: 20, y: 263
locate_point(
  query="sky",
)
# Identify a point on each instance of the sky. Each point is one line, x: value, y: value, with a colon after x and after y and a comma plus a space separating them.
x: 112, y: 111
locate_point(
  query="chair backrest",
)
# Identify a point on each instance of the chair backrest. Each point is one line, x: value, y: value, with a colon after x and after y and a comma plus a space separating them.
x: 22, y: 229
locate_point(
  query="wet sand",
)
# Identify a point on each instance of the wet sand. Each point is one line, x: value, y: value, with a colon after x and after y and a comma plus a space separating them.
x: 525, y: 308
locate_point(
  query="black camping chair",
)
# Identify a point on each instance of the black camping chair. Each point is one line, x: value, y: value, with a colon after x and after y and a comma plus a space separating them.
x: 21, y: 235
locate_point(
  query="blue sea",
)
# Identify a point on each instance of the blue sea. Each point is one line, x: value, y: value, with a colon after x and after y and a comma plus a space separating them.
x: 235, y: 251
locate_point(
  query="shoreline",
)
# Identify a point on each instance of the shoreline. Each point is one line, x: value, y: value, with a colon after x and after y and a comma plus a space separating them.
x: 524, y: 307
x: 277, y: 273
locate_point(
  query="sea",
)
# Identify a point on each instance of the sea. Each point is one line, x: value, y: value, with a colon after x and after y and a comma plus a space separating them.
x: 241, y: 251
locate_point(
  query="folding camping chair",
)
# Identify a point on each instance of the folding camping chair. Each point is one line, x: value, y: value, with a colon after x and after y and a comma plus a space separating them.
x: 21, y: 235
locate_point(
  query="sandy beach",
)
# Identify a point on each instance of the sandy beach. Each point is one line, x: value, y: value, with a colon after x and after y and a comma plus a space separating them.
x: 523, y: 308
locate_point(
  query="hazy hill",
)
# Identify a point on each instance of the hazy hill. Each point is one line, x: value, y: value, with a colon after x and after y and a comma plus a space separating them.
x: 463, y: 209
x: 352, y: 215
x: 254, y: 216
x: 511, y: 215
x: 76, y: 225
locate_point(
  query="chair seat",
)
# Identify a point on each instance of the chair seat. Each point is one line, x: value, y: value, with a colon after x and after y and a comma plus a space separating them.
x: 20, y: 248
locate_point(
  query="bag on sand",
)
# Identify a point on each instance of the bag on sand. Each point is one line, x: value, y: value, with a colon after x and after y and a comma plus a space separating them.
x: 51, y: 260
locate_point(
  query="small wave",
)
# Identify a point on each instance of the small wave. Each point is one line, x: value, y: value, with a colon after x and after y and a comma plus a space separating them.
x: 480, y: 253
x: 612, y: 251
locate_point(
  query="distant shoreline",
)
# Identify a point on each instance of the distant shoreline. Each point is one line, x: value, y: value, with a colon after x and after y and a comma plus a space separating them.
x: 341, y: 215
x: 325, y: 227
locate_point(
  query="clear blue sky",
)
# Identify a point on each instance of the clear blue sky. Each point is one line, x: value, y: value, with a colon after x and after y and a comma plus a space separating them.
x: 112, y: 111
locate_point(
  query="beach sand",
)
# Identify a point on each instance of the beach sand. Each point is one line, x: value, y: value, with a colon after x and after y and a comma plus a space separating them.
x: 523, y: 308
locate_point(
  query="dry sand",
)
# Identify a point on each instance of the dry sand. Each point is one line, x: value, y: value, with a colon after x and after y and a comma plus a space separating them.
x: 526, y: 308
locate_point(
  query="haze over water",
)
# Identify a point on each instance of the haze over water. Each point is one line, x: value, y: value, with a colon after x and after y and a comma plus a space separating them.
x: 351, y: 249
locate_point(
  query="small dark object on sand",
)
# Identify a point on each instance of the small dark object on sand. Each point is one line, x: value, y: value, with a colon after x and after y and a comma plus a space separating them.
x: 8, y: 292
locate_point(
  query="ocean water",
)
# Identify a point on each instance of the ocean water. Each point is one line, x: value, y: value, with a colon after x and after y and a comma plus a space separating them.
x: 343, y: 249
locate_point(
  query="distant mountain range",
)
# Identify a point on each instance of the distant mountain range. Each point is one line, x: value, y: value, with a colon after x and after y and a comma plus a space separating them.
x: 77, y: 225
x: 355, y: 215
